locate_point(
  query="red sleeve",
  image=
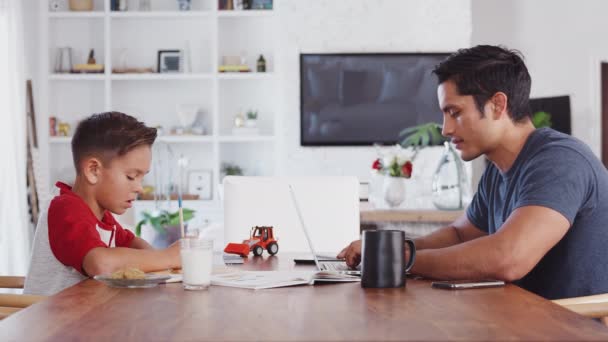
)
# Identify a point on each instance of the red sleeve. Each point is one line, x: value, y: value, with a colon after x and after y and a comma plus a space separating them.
x: 124, y: 237
x: 72, y: 232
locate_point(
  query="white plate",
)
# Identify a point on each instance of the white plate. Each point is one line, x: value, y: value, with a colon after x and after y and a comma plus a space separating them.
x: 150, y: 280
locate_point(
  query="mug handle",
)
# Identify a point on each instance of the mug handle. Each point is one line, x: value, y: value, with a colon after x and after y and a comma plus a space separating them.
x: 412, y: 254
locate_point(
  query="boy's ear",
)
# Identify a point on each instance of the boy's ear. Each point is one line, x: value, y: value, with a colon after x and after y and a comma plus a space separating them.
x: 91, y: 168
x: 499, y: 104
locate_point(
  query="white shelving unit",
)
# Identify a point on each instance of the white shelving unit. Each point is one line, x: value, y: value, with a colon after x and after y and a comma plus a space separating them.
x: 153, y: 97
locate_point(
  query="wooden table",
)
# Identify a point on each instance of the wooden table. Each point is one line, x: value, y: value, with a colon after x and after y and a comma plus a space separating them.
x: 92, y: 311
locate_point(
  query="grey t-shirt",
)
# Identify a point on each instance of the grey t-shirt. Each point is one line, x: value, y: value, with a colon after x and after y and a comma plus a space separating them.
x: 556, y: 171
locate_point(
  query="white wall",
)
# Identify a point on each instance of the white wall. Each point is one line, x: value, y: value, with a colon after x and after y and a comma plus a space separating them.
x: 356, y: 26
x: 562, y: 41
x: 326, y: 26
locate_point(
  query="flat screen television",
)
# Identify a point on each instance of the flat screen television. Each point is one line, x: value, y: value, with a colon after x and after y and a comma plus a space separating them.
x: 365, y: 99
x: 558, y: 108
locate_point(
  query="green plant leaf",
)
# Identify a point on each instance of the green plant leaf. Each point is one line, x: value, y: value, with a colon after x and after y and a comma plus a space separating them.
x: 162, y: 220
x: 541, y: 119
x: 428, y: 134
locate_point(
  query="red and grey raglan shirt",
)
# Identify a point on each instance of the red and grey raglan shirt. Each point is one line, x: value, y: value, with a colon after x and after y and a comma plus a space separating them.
x: 66, y: 232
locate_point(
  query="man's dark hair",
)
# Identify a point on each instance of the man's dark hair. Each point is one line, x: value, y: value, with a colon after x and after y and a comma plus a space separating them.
x: 108, y: 135
x: 484, y: 70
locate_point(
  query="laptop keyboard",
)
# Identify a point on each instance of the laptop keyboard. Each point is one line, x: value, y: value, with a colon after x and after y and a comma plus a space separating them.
x: 335, y: 266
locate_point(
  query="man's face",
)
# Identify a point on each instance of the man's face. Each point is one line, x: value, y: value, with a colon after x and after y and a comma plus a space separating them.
x: 471, y: 132
x: 121, y: 180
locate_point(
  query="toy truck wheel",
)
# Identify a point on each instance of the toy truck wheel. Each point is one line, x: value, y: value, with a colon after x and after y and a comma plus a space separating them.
x: 257, y: 250
x: 273, y: 248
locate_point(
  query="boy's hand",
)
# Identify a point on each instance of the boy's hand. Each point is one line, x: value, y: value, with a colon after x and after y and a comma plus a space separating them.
x: 173, y: 255
x: 351, y: 254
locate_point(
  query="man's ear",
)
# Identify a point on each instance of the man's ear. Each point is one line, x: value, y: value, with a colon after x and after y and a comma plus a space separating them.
x: 91, y: 168
x: 499, y: 104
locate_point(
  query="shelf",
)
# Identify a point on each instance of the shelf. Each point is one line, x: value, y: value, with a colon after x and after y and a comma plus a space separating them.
x: 162, y: 138
x: 184, y: 138
x: 77, y: 77
x: 76, y: 15
x: 245, y: 75
x: 160, y: 77
x: 160, y: 14
x: 244, y: 13
x: 132, y: 39
x: 246, y: 138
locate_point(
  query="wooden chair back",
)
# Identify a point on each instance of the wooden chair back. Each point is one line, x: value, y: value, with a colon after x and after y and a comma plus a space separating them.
x: 11, y: 303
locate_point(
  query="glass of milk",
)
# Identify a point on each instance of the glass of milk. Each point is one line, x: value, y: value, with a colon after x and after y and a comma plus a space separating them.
x: 197, y: 259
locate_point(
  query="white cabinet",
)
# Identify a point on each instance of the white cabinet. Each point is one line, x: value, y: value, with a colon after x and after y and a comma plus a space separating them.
x: 132, y: 39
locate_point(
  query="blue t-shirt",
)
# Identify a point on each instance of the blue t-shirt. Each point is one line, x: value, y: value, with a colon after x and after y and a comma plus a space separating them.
x: 556, y: 171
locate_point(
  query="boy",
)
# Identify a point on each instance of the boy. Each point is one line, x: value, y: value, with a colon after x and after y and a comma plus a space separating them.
x: 78, y: 237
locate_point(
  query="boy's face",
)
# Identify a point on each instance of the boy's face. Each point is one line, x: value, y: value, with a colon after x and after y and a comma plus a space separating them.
x: 471, y: 132
x: 121, y: 180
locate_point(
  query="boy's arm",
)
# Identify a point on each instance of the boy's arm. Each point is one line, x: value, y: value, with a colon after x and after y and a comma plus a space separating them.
x: 139, y: 243
x: 103, y: 260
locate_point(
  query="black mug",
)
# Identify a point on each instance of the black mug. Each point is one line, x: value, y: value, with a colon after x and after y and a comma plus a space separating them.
x: 383, y: 258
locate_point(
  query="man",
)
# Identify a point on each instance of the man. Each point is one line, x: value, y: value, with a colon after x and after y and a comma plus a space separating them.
x: 540, y: 214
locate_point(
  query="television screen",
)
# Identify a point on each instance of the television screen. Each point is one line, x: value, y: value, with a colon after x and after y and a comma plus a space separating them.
x: 364, y: 99
x: 558, y: 108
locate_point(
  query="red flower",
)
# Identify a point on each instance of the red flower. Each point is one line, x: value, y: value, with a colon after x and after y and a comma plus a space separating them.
x: 406, y: 169
x: 377, y: 165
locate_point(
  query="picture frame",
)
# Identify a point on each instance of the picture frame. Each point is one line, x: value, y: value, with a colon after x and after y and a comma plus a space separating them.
x: 169, y: 61
x: 200, y: 183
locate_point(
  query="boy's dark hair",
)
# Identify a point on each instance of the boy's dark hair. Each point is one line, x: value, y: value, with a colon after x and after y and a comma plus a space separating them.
x: 108, y: 135
x: 484, y: 70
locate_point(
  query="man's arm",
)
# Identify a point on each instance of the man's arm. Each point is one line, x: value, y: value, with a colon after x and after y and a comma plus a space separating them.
x: 459, y: 231
x: 509, y: 254
x: 139, y: 243
x: 103, y: 260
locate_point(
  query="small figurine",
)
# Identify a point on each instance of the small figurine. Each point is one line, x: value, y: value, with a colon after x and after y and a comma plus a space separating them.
x: 261, y: 65
x: 239, y: 120
x: 63, y: 129
x: 91, y: 59
x: 52, y: 126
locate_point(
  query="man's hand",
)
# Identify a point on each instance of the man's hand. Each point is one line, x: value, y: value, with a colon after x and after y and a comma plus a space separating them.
x: 351, y: 254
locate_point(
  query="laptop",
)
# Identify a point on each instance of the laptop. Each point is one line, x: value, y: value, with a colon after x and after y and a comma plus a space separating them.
x: 334, y: 266
x: 330, y: 206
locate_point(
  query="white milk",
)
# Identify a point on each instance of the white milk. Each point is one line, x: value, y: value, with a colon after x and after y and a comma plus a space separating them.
x: 196, y: 267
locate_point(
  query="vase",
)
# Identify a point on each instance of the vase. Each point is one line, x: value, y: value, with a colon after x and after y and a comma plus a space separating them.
x: 251, y: 123
x: 164, y: 240
x: 394, y: 191
x: 449, y: 181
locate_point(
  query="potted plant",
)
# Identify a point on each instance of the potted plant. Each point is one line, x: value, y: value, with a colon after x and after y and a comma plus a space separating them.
x: 252, y: 118
x: 395, y: 167
x: 165, y: 224
x: 541, y: 119
x: 428, y: 134
x: 229, y: 169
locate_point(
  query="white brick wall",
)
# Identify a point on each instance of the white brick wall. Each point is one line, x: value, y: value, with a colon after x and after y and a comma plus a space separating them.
x: 324, y: 26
